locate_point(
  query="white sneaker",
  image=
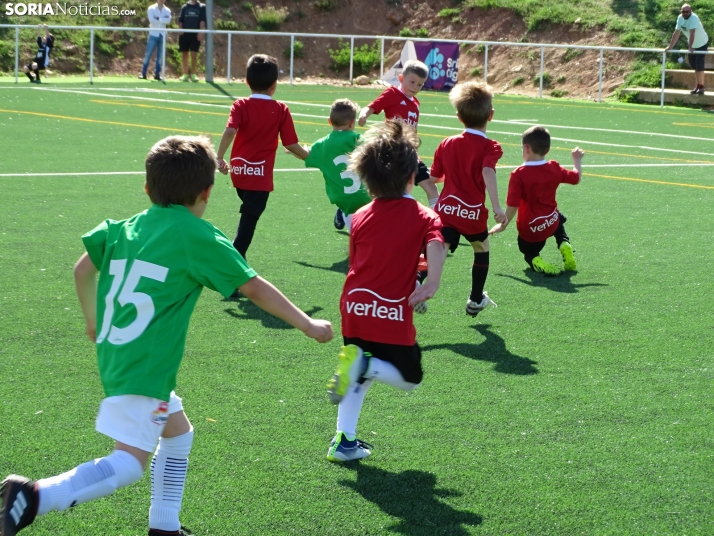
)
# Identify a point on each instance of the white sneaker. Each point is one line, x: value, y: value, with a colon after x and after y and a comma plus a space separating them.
x: 473, y: 308
x: 421, y: 307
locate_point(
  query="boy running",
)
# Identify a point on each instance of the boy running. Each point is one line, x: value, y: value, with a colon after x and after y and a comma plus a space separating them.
x: 330, y: 155
x: 531, y: 194
x: 467, y: 165
x: 401, y: 103
x: 376, y: 304
x: 255, y: 123
x: 152, y: 269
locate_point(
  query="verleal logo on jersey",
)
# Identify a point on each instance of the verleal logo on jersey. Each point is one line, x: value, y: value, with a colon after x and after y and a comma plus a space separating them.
x: 161, y: 414
x: 247, y: 168
x: 550, y: 219
x: 460, y: 209
x: 378, y: 308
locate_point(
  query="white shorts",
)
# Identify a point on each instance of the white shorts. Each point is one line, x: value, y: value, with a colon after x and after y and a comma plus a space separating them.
x: 135, y: 420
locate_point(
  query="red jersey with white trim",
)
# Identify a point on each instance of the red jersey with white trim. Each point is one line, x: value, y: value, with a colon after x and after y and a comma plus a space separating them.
x: 459, y: 162
x: 386, y: 240
x: 532, y: 188
x: 396, y: 104
x: 259, y: 121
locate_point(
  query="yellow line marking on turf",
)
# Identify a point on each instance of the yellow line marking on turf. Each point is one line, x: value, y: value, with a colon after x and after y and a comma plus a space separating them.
x: 649, y: 181
x: 702, y: 125
x: 604, y: 107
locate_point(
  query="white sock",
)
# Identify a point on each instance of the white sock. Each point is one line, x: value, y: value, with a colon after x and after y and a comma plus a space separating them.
x: 348, y: 222
x: 385, y: 372
x: 168, y: 477
x: 91, y: 480
x: 432, y: 202
x: 350, y: 407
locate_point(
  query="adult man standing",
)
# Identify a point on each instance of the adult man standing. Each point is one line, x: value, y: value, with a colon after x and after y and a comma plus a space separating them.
x: 192, y: 17
x: 698, y: 41
x: 159, y: 16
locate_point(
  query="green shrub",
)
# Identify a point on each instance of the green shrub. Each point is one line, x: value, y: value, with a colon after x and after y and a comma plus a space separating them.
x: 270, y: 17
x: 324, y: 5
x: 573, y: 53
x: 298, y: 50
x: 633, y: 97
x: 518, y: 81
x: 247, y: 6
x: 224, y: 24
x: 449, y: 12
x: 406, y: 32
x: 561, y: 79
x: 547, y: 79
x: 365, y: 59
x: 476, y: 71
x: 422, y: 32
x: 558, y: 93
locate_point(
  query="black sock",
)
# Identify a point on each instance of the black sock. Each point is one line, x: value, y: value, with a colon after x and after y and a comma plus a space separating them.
x: 28, y: 75
x: 37, y: 75
x: 421, y: 276
x: 479, y: 272
x: 244, y: 236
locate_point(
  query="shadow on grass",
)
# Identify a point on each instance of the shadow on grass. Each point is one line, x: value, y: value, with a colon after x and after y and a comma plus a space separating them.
x: 412, y: 497
x: 340, y: 266
x: 558, y: 283
x: 492, y: 350
x: 219, y: 88
x: 246, y: 310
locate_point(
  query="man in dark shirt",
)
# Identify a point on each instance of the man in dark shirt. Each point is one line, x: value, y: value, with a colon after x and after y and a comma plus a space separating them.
x: 192, y: 17
x: 42, y: 58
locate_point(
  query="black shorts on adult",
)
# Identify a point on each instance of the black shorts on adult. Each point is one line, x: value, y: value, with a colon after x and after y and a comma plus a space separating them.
x: 452, y: 237
x: 697, y: 60
x: 254, y: 201
x: 407, y: 359
x: 189, y: 41
x: 422, y: 173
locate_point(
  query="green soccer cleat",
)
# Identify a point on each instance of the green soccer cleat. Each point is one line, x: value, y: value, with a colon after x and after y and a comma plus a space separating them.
x: 351, y: 367
x: 184, y: 78
x: 566, y: 250
x: 194, y: 78
x: 539, y: 265
x: 343, y: 449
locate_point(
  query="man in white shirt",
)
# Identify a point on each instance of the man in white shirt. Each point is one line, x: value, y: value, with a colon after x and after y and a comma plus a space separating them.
x: 159, y: 16
x: 698, y: 42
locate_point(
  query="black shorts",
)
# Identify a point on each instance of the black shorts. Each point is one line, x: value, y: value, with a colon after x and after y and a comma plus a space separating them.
x: 189, y: 41
x: 254, y: 201
x: 40, y: 67
x: 452, y: 237
x: 407, y: 359
x: 422, y: 173
x: 697, y: 60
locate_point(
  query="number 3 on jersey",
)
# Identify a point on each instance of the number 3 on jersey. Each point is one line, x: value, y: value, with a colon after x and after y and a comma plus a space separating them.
x: 142, y: 302
x: 347, y: 174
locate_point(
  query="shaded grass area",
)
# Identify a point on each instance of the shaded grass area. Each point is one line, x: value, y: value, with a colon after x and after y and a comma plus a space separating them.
x: 580, y: 405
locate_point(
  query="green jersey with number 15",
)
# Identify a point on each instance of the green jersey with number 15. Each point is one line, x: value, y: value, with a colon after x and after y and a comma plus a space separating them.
x: 152, y: 268
x: 330, y: 155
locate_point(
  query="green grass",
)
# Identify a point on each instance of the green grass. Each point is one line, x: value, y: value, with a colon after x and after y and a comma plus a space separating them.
x: 581, y: 405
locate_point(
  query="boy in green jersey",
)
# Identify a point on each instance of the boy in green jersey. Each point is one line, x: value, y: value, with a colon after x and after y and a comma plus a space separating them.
x: 330, y: 155
x: 152, y: 268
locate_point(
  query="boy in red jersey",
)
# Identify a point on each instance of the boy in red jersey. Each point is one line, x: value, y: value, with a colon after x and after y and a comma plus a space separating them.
x: 376, y: 305
x: 401, y: 103
x: 531, y: 194
x: 466, y: 163
x: 255, y: 123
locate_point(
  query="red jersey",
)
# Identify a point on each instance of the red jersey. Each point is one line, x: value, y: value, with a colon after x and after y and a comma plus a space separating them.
x: 459, y: 162
x: 532, y: 188
x: 259, y: 120
x: 397, y: 105
x: 385, y: 242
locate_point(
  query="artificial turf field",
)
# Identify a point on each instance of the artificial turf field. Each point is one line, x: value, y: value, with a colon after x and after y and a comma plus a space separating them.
x: 581, y: 405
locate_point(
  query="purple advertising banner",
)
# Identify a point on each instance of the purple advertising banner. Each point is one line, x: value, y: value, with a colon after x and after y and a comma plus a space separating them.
x: 442, y: 59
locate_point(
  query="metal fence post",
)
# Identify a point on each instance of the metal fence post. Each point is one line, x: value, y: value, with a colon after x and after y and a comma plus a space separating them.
x: 292, y: 56
x: 381, y: 61
x: 599, y: 84
x: 664, y: 66
x: 163, y: 57
x: 485, y: 64
x: 228, y: 67
x: 352, y: 55
x: 17, y: 52
x: 542, y: 60
x: 91, y: 56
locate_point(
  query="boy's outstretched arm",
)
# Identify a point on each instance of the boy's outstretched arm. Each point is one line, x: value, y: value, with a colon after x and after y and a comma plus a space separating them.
x: 489, y: 177
x: 577, y: 155
x: 226, y: 140
x: 85, y: 281
x: 270, y: 299
x: 510, y: 214
x: 363, y: 115
x: 298, y: 150
x: 435, y: 257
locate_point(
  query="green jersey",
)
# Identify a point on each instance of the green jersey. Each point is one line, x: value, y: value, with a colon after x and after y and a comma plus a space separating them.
x: 152, y: 268
x: 330, y: 155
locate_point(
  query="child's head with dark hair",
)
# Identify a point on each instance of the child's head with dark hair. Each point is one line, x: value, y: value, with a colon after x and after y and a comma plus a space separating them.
x: 538, y: 139
x: 178, y: 169
x: 387, y: 159
x: 343, y: 112
x: 261, y: 72
x: 417, y: 67
x: 473, y: 103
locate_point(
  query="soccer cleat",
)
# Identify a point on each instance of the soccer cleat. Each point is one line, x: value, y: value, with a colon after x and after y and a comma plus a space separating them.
x: 157, y: 77
x: 566, y: 250
x: 184, y: 78
x: 539, y: 265
x: 700, y: 91
x: 351, y: 367
x: 343, y: 449
x: 473, y: 308
x: 339, y: 220
x: 36, y: 81
x: 421, y: 307
x: 19, y: 504
x: 183, y: 531
x: 142, y: 77
x: 194, y: 78
x: 695, y: 91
